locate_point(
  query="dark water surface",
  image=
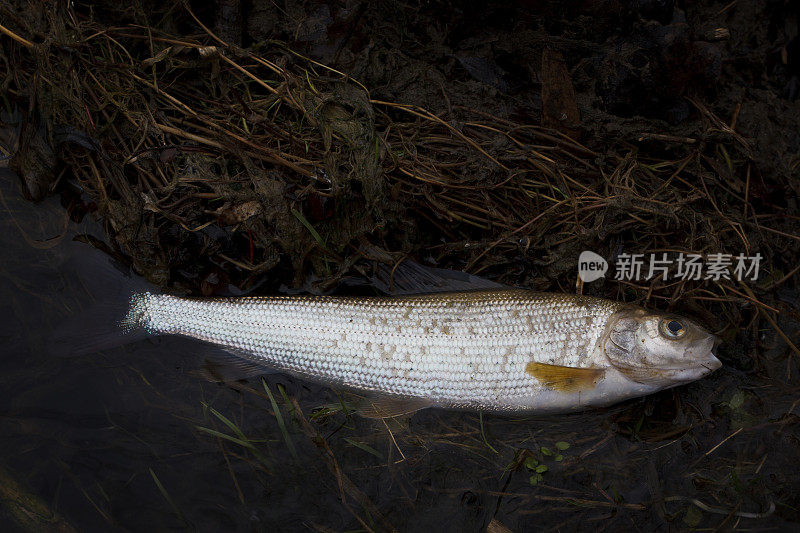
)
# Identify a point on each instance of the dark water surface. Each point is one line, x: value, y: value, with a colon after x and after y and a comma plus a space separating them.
x: 113, y: 440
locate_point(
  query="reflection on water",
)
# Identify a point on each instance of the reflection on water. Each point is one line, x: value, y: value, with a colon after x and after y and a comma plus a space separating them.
x: 132, y: 438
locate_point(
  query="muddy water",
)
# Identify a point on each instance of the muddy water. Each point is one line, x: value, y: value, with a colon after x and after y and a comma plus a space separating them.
x: 113, y: 441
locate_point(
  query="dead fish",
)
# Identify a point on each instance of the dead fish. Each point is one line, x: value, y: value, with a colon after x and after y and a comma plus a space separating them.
x: 500, y: 350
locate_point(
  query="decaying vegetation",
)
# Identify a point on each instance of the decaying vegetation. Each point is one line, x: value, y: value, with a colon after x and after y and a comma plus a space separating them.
x: 214, y: 163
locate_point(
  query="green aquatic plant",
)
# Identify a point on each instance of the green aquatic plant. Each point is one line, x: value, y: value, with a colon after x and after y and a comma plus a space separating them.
x: 535, y: 464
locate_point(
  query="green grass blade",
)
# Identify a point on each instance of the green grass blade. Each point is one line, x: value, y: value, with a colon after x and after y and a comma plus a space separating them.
x: 166, y: 496
x: 214, y: 432
x: 365, y: 447
x: 299, y: 216
x: 279, y: 418
x: 483, y: 434
x: 286, y: 399
x: 233, y: 427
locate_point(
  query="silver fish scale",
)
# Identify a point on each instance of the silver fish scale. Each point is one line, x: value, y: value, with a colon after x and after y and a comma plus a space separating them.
x: 456, y: 349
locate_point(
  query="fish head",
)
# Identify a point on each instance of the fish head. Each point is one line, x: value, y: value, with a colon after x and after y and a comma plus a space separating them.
x: 658, y: 348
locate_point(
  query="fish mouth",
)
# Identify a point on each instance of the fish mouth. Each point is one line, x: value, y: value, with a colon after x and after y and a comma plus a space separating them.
x: 702, y: 359
x: 710, y: 364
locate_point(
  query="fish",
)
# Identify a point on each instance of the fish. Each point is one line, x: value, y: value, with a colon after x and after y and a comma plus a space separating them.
x: 498, y: 350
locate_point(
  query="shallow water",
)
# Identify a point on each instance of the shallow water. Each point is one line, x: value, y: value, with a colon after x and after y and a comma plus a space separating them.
x: 113, y: 440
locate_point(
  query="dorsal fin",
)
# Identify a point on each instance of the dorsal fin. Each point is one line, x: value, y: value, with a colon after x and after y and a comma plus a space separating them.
x: 565, y: 378
x: 410, y: 277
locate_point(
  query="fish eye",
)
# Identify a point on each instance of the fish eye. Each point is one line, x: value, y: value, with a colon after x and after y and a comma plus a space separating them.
x: 672, y: 328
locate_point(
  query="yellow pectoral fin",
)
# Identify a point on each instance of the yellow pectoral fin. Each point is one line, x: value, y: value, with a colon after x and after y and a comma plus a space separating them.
x: 565, y: 378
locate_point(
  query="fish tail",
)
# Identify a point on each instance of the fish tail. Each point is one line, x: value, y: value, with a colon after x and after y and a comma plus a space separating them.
x: 135, y: 319
x: 117, y: 315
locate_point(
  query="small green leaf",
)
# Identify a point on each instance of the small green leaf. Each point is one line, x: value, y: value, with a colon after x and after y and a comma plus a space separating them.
x: 561, y: 445
x: 541, y: 469
x: 535, y: 479
x: 693, y: 516
x: 737, y: 400
x: 546, y: 451
x: 559, y: 457
x: 530, y: 463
